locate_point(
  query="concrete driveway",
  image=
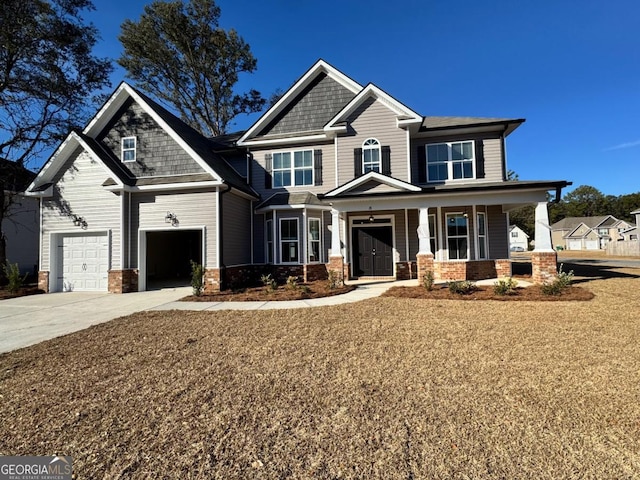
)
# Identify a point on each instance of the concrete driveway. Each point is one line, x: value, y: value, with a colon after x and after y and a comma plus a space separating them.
x: 29, y: 320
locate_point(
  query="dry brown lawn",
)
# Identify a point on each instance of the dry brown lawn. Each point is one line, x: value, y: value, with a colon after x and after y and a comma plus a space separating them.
x: 387, y: 389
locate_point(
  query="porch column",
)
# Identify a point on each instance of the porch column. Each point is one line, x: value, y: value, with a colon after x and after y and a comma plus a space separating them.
x: 543, y: 258
x: 424, y: 257
x: 336, y: 262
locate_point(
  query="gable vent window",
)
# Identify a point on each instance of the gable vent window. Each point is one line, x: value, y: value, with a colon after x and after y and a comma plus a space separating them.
x: 450, y: 161
x: 129, y: 149
x: 371, y: 156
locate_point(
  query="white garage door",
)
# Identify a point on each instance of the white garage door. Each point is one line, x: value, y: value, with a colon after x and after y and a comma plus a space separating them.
x: 574, y: 244
x: 591, y: 244
x: 84, y: 262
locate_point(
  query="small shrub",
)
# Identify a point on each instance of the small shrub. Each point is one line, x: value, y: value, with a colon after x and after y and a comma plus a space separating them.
x: 428, y: 280
x: 562, y: 281
x: 334, y: 280
x: 269, y: 282
x: 462, y: 287
x: 16, y: 281
x: 197, y: 278
x: 505, y: 287
x: 292, y: 282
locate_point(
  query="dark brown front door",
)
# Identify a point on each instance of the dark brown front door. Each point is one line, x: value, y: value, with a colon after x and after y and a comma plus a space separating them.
x: 373, y: 251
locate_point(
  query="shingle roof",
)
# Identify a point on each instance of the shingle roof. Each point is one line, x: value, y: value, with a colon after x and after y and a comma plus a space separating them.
x: 569, y: 223
x: 288, y: 198
x: 441, y: 123
x: 15, y: 176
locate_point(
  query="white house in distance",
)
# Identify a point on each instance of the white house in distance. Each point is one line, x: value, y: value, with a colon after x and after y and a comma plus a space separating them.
x: 518, y: 239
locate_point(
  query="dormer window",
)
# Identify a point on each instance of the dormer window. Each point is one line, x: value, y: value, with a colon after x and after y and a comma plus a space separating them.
x: 371, y: 156
x: 129, y: 149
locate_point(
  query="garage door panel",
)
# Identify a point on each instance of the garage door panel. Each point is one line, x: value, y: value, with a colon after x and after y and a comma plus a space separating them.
x: 84, y: 262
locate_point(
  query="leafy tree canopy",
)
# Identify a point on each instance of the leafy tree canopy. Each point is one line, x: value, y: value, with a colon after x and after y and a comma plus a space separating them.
x: 178, y: 53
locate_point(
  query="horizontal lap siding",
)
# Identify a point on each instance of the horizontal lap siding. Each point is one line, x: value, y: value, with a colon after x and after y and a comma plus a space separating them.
x: 413, y: 234
x: 236, y: 229
x: 372, y: 120
x: 259, y: 238
x: 497, y: 229
x: 193, y: 209
x: 77, y: 191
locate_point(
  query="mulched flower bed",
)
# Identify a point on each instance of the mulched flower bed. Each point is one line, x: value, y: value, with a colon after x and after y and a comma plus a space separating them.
x: 532, y: 293
x: 22, y: 292
x: 317, y: 289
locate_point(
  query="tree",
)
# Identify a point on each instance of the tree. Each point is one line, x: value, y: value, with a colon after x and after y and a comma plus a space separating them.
x: 48, y: 77
x: 584, y: 201
x: 178, y: 53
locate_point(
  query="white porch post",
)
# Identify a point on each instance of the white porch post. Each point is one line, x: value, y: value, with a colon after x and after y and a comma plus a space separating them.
x: 424, y: 245
x: 335, y: 233
x: 543, y: 230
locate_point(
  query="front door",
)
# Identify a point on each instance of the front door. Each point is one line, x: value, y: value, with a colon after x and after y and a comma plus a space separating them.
x: 373, y: 251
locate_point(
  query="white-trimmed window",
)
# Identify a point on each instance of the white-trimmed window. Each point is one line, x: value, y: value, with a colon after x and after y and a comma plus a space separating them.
x: 297, y: 171
x: 289, y: 240
x: 514, y: 234
x: 269, y: 241
x: 314, y: 248
x: 128, y: 149
x: 371, y: 156
x: 482, y: 235
x: 450, y: 161
x: 457, y: 236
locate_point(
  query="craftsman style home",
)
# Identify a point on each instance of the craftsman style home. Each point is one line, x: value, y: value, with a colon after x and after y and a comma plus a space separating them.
x: 334, y: 176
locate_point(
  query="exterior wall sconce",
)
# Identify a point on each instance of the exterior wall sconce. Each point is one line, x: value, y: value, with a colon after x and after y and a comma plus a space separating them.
x: 80, y: 222
x: 371, y: 217
x: 172, y: 219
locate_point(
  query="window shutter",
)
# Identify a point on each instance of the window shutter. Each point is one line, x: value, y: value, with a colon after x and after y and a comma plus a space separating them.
x: 267, y: 170
x: 317, y: 167
x: 357, y: 162
x: 479, y: 159
x: 386, y: 160
x: 422, y: 164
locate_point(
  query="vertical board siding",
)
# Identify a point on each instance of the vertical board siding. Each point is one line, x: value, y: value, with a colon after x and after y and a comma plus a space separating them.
x: 236, y: 229
x: 157, y: 154
x: 492, y: 154
x: 193, y: 209
x: 258, y: 169
x: 77, y: 191
x: 498, y: 232
x: 373, y: 120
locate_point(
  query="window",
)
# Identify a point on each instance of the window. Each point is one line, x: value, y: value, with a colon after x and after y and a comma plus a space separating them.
x: 457, y: 241
x: 432, y: 233
x: 482, y: 235
x: 269, y: 242
x: 514, y: 234
x: 129, y: 149
x: 289, y: 240
x: 450, y: 161
x: 314, y: 240
x: 300, y: 170
x: 371, y: 156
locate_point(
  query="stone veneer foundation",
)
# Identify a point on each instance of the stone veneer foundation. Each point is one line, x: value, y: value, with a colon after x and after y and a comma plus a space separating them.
x: 123, y: 281
x: 43, y: 281
x: 544, y: 266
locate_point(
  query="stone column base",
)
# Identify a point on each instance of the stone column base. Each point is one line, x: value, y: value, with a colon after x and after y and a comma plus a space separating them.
x: 425, y: 264
x: 43, y: 281
x: 503, y: 268
x: 123, y: 281
x: 212, y: 280
x: 336, y: 264
x: 544, y: 266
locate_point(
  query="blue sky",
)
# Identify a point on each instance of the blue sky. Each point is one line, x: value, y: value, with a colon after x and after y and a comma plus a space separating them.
x: 572, y: 69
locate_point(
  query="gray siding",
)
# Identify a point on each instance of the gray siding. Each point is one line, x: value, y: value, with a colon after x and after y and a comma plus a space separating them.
x: 258, y: 169
x: 492, y: 154
x: 372, y: 120
x: 21, y: 228
x: 157, y: 154
x: 78, y: 191
x: 259, y: 239
x: 312, y: 109
x: 498, y: 231
x: 413, y: 234
x: 193, y: 210
x: 236, y: 229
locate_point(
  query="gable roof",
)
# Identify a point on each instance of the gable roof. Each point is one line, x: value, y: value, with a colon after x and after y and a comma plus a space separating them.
x: 571, y: 223
x: 513, y: 227
x: 319, y: 68
x: 291, y: 199
x: 200, y: 148
x: 375, y: 177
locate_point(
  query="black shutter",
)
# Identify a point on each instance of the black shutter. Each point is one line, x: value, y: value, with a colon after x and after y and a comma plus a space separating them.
x: 422, y: 164
x: 357, y: 162
x: 479, y: 159
x: 386, y: 160
x: 317, y: 167
x: 267, y: 170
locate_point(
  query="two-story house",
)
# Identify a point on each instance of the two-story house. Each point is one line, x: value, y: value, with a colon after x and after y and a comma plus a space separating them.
x: 334, y: 176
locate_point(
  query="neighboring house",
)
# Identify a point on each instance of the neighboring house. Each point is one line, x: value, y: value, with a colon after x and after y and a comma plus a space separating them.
x: 20, y: 225
x: 334, y: 176
x: 631, y: 233
x: 587, y: 233
x: 518, y: 239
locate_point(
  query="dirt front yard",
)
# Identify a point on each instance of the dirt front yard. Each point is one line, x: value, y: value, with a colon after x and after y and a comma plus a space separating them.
x: 390, y: 388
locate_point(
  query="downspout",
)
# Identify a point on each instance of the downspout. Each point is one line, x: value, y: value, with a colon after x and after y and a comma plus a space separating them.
x: 129, y: 235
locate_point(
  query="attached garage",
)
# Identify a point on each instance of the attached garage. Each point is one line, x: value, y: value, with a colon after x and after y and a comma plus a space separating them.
x: 82, y: 262
x: 591, y: 244
x: 574, y: 245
